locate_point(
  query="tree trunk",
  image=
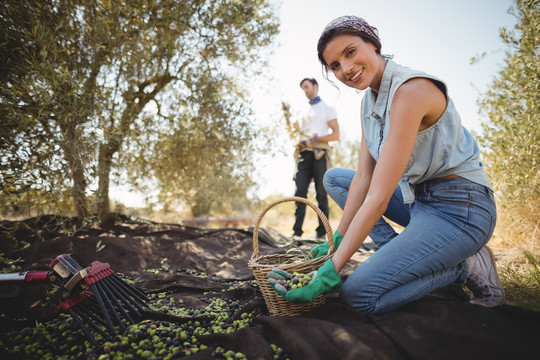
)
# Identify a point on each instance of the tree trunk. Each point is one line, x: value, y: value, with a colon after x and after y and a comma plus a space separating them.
x: 71, y: 151
x: 104, y: 171
x: 135, y: 103
x: 78, y: 192
x: 201, y: 206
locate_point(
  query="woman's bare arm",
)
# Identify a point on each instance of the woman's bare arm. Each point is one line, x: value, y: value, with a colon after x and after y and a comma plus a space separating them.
x: 414, y: 102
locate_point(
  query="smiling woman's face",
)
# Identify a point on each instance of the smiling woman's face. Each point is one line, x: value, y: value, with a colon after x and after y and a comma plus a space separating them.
x: 353, y: 61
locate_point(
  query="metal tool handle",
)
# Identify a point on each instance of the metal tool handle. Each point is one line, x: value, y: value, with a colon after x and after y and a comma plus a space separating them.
x: 13, y: 276
x: 28, y: 276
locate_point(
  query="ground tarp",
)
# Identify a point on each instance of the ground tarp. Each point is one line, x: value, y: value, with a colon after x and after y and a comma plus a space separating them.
x: 442, y: 325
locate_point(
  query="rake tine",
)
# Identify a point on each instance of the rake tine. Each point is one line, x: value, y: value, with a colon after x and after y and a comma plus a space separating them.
x: 126, y: 291
x: 136, y: 298
x: 70, y: 305
x: 120, y: 294
x: 97, y: 294
x: 83, y: 327
x: 88, y: 319
x: 90, y: 314
x: 136, y: 292
x: 111, y: 302
x: 114, y: 300
x: 93, y: 305
x: 100, y: 271
x: 109, y: 306
x: 102, y: 276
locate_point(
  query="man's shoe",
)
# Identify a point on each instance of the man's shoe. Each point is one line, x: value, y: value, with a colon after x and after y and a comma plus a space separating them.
x: 368, y: 246
x: 295, y: 237
x: 483, y: 280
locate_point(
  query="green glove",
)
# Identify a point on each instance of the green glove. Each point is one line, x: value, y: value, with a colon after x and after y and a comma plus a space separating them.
x: 283, y: 282
x: 326, y: 279
x: 322, y: 250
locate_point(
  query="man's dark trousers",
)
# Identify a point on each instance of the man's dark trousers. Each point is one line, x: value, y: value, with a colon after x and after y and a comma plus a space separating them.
x: 309, y: 168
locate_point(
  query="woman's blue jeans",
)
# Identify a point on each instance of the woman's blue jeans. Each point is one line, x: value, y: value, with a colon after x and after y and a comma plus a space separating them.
x: 450, y: 220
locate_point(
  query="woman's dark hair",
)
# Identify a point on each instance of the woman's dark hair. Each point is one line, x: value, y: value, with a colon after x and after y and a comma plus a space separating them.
x: 332, y: 33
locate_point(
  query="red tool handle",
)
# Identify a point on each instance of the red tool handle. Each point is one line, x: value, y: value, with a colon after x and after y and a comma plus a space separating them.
x: 38, y: 276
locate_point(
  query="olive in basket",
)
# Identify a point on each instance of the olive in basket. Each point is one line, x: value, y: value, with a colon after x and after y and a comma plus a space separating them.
x: 284, y: 282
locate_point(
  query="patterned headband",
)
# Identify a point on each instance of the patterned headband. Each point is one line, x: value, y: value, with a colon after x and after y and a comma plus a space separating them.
x: 355, y: 23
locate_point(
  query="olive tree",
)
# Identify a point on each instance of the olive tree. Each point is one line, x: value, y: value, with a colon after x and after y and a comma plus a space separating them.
x: 511, y: 133
x: 93, y: 86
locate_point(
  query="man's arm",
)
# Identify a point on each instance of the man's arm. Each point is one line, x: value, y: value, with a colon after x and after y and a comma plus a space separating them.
x: 333, y: 136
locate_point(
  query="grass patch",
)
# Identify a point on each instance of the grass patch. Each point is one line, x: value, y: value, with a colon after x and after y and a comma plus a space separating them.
x: 522, y: 282
x: 516, y: 245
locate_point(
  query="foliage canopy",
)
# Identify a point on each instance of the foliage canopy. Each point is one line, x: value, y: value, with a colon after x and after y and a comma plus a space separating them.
x: 94, y: 88
x: 511, y: 133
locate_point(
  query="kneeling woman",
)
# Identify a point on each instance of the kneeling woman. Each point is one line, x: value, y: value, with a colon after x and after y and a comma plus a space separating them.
x: 420, y: 168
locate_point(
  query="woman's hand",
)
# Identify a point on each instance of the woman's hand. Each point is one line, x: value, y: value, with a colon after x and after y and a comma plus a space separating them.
x: 322, y: 250
x: 325, y: 280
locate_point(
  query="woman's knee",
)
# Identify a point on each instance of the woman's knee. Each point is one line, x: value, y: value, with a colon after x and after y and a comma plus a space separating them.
x: 355, y: 298
x: 329, y: 178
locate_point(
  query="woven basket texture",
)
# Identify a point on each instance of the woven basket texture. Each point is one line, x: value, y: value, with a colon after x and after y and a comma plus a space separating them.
x: 262, y: 264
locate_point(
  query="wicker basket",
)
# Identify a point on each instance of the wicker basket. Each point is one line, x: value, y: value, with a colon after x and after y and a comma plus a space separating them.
x: 262, y: 264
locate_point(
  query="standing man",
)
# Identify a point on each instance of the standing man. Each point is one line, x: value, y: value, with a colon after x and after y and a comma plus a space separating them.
x: 313, y: 153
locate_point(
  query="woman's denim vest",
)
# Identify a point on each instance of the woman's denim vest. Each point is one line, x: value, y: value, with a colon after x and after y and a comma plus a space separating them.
x: 445, y: 148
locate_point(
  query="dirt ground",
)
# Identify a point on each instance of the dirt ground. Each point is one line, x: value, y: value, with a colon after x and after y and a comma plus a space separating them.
x: 195, y: 266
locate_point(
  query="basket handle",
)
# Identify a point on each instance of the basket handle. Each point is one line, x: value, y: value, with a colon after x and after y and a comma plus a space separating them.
x: 327, y: 227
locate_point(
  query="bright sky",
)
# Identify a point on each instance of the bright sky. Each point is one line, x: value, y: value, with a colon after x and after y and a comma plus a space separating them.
x: 435, y: 36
